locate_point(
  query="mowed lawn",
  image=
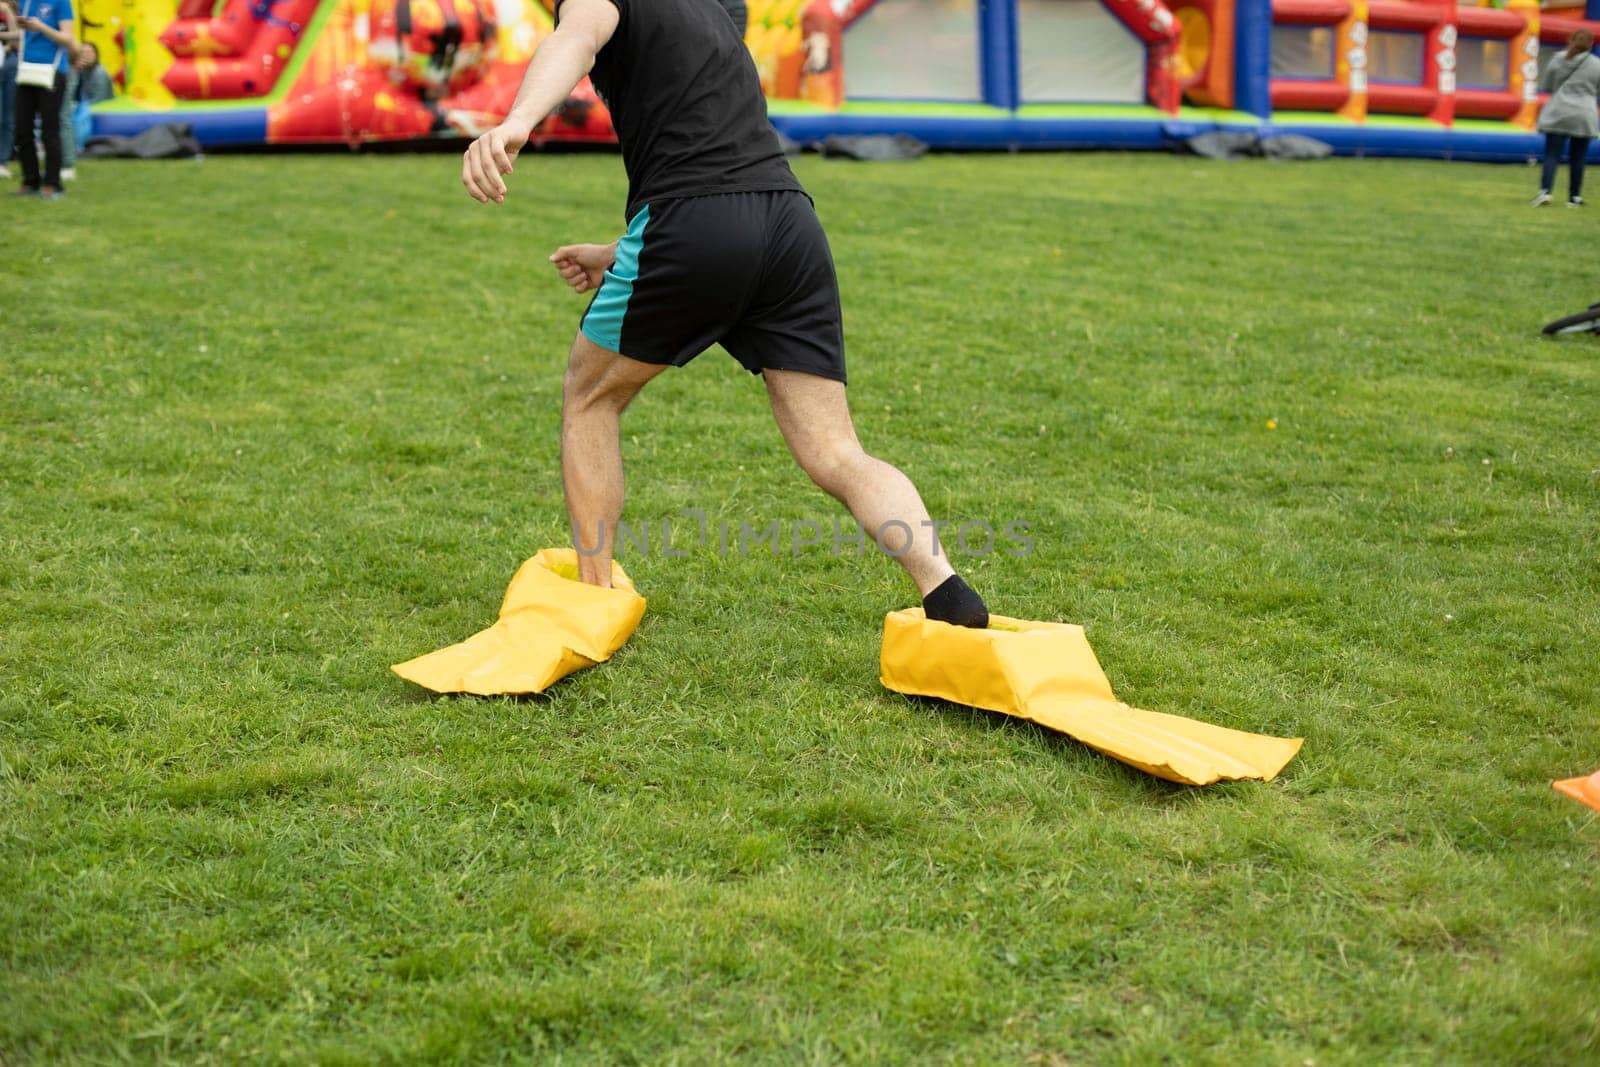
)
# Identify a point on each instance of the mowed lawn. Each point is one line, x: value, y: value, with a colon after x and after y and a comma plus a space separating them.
x: 1290, y: 448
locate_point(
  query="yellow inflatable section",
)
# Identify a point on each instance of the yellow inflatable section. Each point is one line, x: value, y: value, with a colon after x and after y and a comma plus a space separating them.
x: 127, y: 34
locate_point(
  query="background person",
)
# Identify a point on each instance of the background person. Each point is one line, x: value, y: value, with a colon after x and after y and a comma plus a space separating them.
x: 10, y: 41
x: 91, y: 85
x: 94, y: 81
x: 1568, y: 118
x: 69, y: 143
x: 48, y: 45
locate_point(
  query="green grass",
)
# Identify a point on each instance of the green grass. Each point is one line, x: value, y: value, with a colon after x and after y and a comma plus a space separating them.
x: 272, y: 424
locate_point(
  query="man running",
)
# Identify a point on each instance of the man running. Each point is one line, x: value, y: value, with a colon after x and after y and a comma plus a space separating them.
x: 722, y: 246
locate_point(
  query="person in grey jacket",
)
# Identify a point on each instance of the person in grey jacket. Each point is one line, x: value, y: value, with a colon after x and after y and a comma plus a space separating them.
x: 1569, y: 117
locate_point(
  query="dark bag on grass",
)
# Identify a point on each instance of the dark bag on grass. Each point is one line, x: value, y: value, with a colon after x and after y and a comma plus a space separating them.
x: 1294, y: 146
x: 170, y: 140
x: 873, y: 149
x: 1223, y: 144
x: 1243, y: 144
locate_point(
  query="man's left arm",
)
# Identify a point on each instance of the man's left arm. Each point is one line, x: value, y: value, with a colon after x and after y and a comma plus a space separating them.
x: 559, y: 63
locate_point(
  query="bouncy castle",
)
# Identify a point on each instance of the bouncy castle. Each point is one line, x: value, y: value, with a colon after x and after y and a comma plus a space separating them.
x: 1376, y: 77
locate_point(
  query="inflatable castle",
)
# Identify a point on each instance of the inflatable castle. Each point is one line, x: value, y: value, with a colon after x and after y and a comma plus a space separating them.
x: 1374, y: 77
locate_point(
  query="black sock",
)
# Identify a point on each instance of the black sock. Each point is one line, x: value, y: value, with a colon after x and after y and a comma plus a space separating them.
x: 957, y: 603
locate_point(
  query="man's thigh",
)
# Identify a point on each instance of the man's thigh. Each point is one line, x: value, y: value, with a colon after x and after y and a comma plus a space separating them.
x: 595, y: 373
x: 811, y: 412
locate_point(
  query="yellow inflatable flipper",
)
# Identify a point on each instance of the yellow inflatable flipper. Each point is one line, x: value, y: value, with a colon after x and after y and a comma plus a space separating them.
x: 551, y: 624
x: 1047, y: 673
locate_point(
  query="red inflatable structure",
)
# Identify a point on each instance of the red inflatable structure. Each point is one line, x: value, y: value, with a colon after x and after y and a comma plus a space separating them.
x: 239, y: 52
x: 1151, y: 22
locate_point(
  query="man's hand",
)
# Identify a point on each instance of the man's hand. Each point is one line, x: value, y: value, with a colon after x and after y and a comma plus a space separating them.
x: 584, y: 266
x: 489, y: 158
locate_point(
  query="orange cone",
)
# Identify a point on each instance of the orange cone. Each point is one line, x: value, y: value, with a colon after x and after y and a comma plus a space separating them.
x: 1583, y: 790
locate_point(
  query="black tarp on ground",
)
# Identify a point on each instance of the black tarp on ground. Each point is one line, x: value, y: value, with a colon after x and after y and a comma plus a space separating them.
x: 170, y: 140
x: 874, y: 148
x: 1244, y: 144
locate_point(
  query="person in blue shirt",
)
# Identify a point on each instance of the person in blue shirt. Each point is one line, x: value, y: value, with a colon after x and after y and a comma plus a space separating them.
x: 48, y: 48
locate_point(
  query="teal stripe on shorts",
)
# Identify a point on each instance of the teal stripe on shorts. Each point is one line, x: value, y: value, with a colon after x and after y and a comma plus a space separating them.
x: 602, y: 323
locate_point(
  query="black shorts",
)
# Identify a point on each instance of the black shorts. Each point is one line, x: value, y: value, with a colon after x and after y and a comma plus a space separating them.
x: 750, y: 271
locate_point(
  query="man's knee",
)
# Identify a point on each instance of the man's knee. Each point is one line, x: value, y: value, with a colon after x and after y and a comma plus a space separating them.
x: 596, y: 378
x: 581, y: 387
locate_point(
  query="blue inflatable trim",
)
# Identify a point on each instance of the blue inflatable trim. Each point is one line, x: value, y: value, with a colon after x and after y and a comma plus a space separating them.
x: 1419, y: 143
x: 1252, y: 56
x: 998, y: 30
x: 213, y: 127
x: 978, y: 133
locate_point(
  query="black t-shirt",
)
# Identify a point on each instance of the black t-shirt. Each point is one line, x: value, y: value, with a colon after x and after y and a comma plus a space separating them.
x: 687, y: 104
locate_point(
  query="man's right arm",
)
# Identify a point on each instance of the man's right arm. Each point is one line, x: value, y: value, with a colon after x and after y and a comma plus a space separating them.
x: 584, y: 266
x: 559, y: 63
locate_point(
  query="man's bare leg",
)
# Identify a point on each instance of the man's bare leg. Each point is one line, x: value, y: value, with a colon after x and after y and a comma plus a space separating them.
x: 597, y: 387
x: 815, y: 420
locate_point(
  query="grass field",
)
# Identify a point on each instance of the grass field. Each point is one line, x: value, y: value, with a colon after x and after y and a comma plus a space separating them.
x: 1291, y: 450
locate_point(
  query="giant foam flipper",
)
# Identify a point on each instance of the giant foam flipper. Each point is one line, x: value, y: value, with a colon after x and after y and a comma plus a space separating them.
x: 1046, y: 673
x: 550, y: 625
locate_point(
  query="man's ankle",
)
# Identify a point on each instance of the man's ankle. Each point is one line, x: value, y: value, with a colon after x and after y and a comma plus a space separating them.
x: 591, y: 571
x: 957, y: 603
